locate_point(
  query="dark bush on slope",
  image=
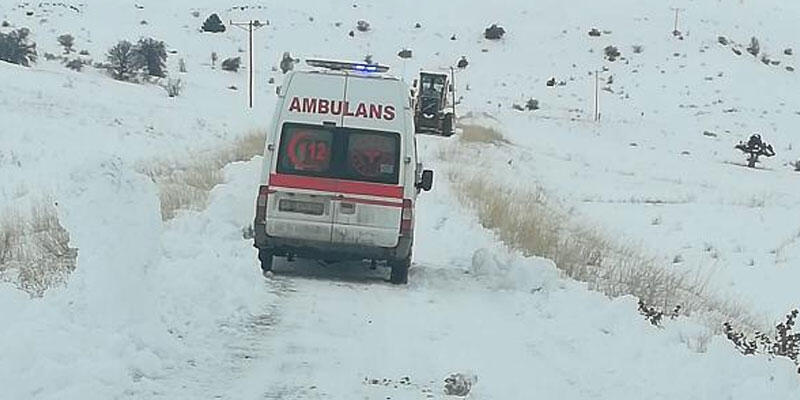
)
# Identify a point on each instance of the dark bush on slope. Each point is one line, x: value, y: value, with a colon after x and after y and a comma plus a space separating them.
x: 213, y: 24
x: 494, y: 32
x: 232, y: 64
x: 152, y: 56
x: 122, y: 61
x: 17, y: 48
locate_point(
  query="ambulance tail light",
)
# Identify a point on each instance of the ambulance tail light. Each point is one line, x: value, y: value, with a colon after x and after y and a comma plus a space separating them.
x: 407, y: 218
x: 261, y: 204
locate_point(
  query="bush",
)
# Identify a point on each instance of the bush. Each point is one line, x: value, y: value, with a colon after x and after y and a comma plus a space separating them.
x: 785, y: 342
x: 611, y: 53
x: 152, y: 56
x: 362, y: 26
x: 122, y: 61
x: 213, y: 24
x: 182, y: 65
x: 232, y: 64
x: 494, y: 32
x: 66, y: 41
x: 16, y: 48
x: 75, y: 64
x: 405, y: 53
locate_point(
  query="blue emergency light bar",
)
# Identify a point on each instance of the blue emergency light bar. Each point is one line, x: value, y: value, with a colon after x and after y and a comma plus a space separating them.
x: 347, y: 66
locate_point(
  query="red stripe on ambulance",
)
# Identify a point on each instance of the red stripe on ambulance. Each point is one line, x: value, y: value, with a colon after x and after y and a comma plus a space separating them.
x: 335, y: 186
x: 311, y: 105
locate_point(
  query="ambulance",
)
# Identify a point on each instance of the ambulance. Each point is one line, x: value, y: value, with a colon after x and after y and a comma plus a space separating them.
x: 341, y: 176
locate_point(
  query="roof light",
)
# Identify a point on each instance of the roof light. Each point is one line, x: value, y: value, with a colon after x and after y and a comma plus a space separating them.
x: 347, y: 66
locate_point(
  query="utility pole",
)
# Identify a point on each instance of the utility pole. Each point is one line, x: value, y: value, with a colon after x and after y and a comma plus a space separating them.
x: 596, y: 95
x: 675, y: 30
x: 249, y: 26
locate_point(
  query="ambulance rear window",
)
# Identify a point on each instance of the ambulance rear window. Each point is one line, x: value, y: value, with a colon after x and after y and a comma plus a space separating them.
x: 305, y: 151
x: 340, y: 153
x: 372, y: 156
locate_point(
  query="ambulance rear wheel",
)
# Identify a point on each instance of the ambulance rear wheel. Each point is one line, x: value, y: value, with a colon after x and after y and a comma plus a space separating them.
x: 399, y: 275
x: 266, y: 257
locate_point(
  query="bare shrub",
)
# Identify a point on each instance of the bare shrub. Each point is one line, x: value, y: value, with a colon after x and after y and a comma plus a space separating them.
x: 173, y: 87
x: 480, y: 134
x: 34, y: 249
x: 185, y: 183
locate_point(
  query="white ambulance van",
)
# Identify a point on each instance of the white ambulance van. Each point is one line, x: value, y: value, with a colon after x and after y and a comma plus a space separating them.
x: 340, y: 177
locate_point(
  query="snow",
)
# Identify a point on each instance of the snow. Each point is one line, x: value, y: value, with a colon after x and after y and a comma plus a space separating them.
x: 178, y: 309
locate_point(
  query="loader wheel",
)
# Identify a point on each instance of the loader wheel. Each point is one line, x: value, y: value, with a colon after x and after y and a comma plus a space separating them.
x: 447, y: 125
x: 400, y: 267
x: 266, y: 257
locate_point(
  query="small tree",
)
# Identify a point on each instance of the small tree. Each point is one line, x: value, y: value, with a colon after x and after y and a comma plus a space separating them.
x: 232, y: 64
x: 67, y: 41
x: 755, y: 148
x: 122, y: 59
x: 287, y: 62
x: 213, y: 24
x: 16, y: 48
x: 152, y: 55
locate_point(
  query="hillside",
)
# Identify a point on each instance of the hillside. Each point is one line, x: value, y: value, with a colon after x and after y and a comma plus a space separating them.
x: 166, y: 300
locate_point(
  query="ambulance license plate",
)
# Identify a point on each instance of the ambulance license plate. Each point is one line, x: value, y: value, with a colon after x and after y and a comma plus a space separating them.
x: 302, y: 207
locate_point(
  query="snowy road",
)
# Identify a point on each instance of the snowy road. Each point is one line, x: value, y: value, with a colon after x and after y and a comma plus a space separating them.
x: 342, y: 331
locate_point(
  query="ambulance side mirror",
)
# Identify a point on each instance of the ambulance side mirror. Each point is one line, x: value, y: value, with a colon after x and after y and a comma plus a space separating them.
x: 415, y: 83
x: 426, y: 183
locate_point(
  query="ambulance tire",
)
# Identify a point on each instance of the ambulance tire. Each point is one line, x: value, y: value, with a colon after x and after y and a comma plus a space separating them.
x: 399, y: 275
x: 266, y: 257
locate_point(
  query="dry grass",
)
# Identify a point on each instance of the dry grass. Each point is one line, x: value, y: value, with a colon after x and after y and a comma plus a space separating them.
x: 34, y: 249
x: 480, y: 134
x: 526, y: 222
x: 185, y: 183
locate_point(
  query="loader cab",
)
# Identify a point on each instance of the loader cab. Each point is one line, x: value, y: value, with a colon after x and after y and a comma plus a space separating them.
x: 341, y: 172
x: 434, y: 112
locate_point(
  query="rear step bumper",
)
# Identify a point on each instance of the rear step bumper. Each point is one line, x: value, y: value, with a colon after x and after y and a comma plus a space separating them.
x: 329, y: 251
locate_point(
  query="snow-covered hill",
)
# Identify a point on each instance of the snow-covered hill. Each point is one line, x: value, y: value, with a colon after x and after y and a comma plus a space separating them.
x: 177, y: 309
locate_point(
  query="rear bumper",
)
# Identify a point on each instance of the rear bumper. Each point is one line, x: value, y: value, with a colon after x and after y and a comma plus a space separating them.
x: 329, y: 251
